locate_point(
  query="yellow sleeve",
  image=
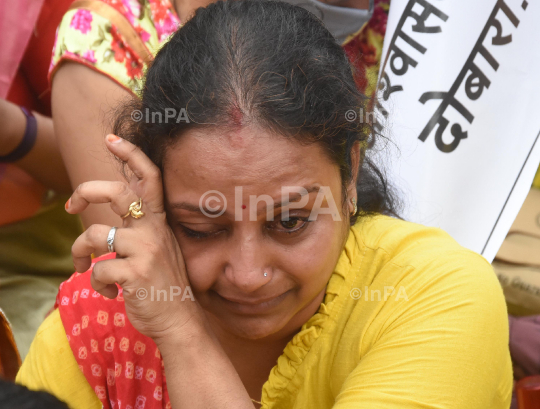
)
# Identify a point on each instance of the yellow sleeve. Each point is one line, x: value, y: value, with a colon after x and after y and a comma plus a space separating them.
x: 443, y: 345
x: 51, y: 366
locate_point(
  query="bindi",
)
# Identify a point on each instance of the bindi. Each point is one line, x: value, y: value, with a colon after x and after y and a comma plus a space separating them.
x: 236, y: 116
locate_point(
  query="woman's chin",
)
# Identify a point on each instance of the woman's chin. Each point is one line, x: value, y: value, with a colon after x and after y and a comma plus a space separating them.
x: 251, y: 327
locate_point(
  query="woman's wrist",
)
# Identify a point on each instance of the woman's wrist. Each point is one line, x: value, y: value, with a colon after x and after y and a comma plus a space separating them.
x: 184, y: 333
x: 197, y: 384
x: 13, y: 126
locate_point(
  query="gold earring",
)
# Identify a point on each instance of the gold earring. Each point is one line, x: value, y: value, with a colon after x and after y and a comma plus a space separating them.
x: 355, y: 207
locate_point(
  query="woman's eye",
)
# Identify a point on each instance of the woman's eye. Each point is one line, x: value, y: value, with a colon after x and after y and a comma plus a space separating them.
x: 292, y: 225
x: 196, y: 234
x: 289, y: 224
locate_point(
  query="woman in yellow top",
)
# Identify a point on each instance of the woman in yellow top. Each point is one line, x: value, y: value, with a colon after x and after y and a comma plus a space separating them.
x: 255, y: 264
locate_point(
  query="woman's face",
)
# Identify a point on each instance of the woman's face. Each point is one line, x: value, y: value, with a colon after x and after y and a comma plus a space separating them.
x: 228, y: 255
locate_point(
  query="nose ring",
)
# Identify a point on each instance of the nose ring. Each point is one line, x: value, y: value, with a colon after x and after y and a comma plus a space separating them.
x: 265, y: 274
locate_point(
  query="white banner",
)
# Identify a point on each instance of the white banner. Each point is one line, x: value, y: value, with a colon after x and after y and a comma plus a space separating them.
x: 460, y: 103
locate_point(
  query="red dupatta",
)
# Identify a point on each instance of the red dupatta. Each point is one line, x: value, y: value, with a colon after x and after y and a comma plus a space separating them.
x: 123, y: 366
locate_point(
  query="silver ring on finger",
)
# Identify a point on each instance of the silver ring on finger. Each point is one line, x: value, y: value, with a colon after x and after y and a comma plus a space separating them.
x: 110, y: 239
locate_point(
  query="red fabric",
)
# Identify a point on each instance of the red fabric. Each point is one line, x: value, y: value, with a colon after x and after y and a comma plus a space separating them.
x: 123, y: 366
x: 37, y: 58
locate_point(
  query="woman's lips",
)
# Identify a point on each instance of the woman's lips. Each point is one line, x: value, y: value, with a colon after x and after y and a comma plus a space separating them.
x: 252, y: 306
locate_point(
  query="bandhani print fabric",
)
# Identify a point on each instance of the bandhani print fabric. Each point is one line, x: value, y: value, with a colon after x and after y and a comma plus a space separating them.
x: 122, y: 366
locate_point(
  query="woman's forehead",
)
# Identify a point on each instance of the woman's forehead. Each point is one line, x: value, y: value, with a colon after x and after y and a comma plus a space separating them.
x: 246, y: 157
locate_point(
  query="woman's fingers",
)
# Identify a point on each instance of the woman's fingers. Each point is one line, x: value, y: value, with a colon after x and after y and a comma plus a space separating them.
x: 106, y: 274
x: 148, y: 185
x: 118, y: 194
x: 94, y: 240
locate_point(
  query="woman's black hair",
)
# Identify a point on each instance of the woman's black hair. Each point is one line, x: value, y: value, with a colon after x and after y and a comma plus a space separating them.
x: 265, y: 63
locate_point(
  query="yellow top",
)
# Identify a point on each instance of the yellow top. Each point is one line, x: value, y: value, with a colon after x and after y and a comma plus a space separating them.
x: 410, y: 320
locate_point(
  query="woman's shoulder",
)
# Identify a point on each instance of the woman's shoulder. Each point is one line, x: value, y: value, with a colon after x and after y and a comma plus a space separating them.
x: 51, y: 366
x: 407, y: 270
x: 410, y: 244
x: 418, y: 308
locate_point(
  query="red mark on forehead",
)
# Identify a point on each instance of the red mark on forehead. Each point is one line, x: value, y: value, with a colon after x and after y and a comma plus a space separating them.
x: 237, y: 116
x: 243, y: 206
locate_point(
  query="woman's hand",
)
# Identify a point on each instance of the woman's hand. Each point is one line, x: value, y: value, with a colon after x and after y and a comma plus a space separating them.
x: 148, y: 258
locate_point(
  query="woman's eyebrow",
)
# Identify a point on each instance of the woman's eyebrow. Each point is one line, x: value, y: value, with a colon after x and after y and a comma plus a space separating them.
x: 185, y: 206
x: 296, y: 196
x: 193, y: 208
x: 293, y: 197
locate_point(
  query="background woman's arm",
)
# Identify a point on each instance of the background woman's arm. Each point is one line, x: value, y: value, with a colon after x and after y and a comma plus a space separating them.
x: 43, y: 162
x: 82, y: 101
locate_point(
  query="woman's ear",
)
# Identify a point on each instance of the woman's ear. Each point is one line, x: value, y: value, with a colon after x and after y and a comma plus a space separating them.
x: 356, y: 158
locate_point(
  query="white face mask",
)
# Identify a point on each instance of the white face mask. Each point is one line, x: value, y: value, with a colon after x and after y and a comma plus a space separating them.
x: 340, y: 21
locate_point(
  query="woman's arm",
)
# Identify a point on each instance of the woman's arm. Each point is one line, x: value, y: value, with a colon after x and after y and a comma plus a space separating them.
x: 82, y: 100
x: 200, y: 374
x: 43, y: 162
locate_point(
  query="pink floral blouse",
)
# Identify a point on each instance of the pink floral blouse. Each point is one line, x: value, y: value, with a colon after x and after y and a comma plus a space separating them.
x: 90, y: 39
x: 86, y: 37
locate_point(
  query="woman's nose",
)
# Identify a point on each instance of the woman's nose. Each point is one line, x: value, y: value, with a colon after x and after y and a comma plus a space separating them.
x: 248, y: 267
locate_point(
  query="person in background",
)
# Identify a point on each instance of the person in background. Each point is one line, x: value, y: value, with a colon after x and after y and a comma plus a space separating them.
x: 35, y: 234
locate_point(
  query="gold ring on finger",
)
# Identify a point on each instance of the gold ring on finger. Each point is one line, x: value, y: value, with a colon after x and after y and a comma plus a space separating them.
x: 135, y: 210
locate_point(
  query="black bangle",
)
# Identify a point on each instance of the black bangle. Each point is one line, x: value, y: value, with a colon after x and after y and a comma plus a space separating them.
x: 28, y: 141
